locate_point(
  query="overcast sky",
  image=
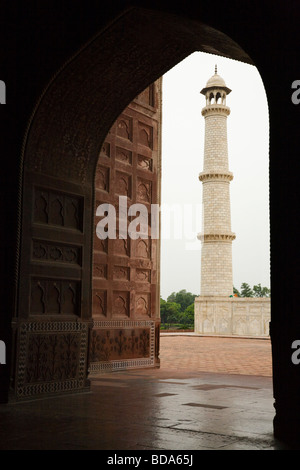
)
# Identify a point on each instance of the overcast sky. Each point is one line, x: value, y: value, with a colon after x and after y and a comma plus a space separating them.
x: 182, y: 161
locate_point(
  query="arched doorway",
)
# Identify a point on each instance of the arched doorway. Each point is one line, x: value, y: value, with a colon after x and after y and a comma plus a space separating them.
x: 61, y: 148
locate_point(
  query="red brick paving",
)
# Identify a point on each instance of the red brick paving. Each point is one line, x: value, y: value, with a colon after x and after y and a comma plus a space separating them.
x: 216, y: 354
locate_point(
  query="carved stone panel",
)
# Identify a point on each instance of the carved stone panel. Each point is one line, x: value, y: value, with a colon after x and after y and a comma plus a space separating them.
x: 102, y: 178
x: 121, y: 306
x: 100, y: 270
x: 119, y: 344
x: 105, y: 150
x: 145, y: 135
x: 52, y: 358
x: 54, y: 296
x: 60, y: 209
x: 143, y: 248
x: 99, y: 302
x: 123, y: 184
x: 124, y: 155
x: 147, y: 96
x: 124, y: 127
x: 143, y: 305
x: 56, y: 252
x: 144, y: 191
x: 120, y: 246
x: 121, y: 273
x: 142, y: 275
x: 124, y: 268
x: 144, y: 163
x: 100, y: 244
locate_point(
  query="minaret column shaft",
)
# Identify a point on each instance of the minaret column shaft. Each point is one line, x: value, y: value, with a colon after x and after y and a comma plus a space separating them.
x: 216, y: 236
x: 215, y: 144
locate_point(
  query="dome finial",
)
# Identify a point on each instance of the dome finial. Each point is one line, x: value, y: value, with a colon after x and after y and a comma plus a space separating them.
x: 216, y: 69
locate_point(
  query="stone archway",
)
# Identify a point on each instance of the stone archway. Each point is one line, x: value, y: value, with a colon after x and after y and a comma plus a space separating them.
x: 61, y: 149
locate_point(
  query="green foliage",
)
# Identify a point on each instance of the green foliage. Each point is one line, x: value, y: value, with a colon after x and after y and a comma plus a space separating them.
x: 178, y: 309
x: 169, y: 311
x: 256, y: 291
x: 187, y: 317
x: 260, y: 291
x: 246, y: 290
x: 235, y: 291
x: 183, y: 298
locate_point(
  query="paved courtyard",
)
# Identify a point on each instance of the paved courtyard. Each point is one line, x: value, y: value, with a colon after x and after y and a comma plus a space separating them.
x: 232, y: 355
x: 216, y: 395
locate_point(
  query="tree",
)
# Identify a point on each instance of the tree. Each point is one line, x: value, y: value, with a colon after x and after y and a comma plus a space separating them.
x: 183, y: 298
x: 187, y: 317
x: 260, y: 291
x: 163, y: 314
x: 169, y: 312
x: 246, y: 290
x: 235, y: 291
x: 172, y: 312
x: 171, y: 297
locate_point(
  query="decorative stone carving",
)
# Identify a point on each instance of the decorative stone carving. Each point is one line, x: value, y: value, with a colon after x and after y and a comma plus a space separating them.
x: 145, y: 163
x: 111, y: 345
x: 99, y: 302
x: 121, y: 246
x: 124, y: 155
x: 232, y: 316
x: 60, y: 209
x: 119, y: 344
x: 52, y: 358
x: 143, y: 248
x: 105, y: 150
x: 215, y: 108
x: 123, y: 184
x: 216, y: 237
x: 124, y: 127
x: 143, y: 275
x: 147, y: 96
x: 121, y: 304
x: 145, y: 133
x: 101, y: 245
x: 50, y: 251
x: 144, y: 191
x: 54, y: 296
x: 100, y: 271
x: 102, y: 178
x: 121, y: 273
x: 142, y: 305
x: 215, y: 176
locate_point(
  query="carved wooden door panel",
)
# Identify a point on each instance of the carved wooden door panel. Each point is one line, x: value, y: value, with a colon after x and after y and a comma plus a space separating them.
x: 125, y: 298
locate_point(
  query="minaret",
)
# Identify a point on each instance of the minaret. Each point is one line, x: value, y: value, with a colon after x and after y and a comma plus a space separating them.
x: 216, y: 236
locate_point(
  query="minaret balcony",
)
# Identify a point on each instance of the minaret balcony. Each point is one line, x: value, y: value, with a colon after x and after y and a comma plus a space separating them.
x: 216, y: 237
x: 206, y: 176
x: 215, y: 108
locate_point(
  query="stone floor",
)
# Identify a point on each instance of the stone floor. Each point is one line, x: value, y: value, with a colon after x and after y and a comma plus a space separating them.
x: 218, y: 396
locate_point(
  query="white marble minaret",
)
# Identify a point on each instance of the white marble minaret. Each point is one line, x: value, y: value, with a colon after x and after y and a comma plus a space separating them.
x: 216, y: 236
x: 217, y: 311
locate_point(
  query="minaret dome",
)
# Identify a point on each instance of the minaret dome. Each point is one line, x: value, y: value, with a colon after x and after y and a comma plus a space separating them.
x: 215, y: 90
